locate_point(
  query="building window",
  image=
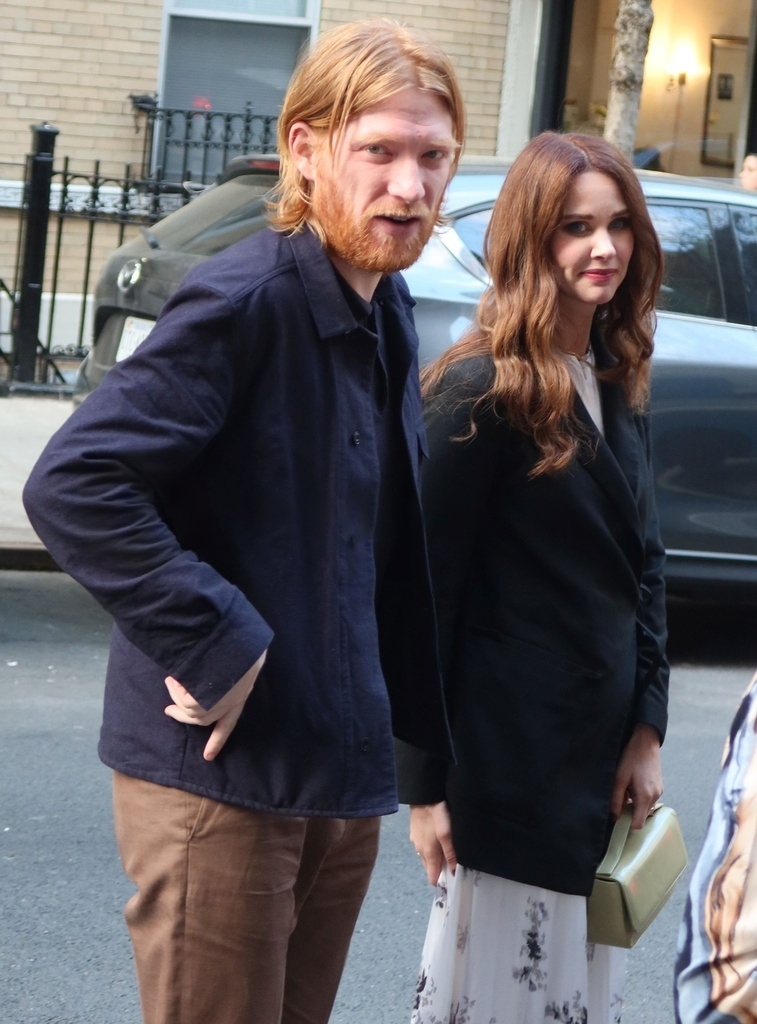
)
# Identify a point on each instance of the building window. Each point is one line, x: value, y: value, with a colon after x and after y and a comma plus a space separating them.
x: 233, y: 59
x: 695, y: 97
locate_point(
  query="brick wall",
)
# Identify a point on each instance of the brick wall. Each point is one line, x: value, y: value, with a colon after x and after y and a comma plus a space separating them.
x: 473, y: 32
x: 73, y: 63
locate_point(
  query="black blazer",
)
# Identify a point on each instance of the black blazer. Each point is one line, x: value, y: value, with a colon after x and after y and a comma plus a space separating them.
x: 550, y: 601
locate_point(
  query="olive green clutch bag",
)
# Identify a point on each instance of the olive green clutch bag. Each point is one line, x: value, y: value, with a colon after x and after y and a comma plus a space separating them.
x: 636, y: 877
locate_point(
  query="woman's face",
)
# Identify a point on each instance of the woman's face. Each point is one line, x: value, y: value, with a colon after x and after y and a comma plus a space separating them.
x: 592, y: 246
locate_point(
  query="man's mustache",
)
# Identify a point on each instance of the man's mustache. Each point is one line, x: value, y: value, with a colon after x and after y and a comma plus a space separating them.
x: 417, y: 211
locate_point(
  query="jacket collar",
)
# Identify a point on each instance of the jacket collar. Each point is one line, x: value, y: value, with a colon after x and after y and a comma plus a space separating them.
x: 328, y: 305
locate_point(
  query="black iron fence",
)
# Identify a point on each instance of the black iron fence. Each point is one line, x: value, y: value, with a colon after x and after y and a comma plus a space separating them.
x: 56, y: 205
x: 69, y: 218
x: 181, y: 145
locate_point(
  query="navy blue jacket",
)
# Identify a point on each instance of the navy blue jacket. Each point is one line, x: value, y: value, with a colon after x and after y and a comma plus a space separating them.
x: 217, y: 494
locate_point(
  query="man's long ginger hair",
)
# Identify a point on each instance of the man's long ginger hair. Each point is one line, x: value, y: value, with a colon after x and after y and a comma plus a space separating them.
x: 352, y: 68
x: 517, y: 323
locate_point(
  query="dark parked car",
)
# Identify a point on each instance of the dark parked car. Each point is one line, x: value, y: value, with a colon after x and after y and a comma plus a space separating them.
x: 704, y: 394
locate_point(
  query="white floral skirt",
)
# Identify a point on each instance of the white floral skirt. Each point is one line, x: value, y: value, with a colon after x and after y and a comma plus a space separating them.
x: 499, y: 952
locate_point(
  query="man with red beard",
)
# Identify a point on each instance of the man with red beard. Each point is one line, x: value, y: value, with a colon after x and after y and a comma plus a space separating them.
x: 242, y: 496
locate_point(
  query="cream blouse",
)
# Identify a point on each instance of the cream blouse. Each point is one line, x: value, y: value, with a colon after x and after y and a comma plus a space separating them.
x: 581, y: 369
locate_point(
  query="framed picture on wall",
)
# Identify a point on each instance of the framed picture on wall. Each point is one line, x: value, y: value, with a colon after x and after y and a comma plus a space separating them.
x: 725, y: 87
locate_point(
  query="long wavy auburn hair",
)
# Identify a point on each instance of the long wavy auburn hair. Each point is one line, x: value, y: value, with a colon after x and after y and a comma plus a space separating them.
x: 355, y: 67
x: 517, y: 323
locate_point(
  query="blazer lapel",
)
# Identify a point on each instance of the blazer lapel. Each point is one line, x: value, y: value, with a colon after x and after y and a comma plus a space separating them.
x: 613, y: 461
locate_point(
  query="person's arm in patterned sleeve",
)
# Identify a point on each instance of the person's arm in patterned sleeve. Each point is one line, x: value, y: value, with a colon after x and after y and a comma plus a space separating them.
x: 716, y: 966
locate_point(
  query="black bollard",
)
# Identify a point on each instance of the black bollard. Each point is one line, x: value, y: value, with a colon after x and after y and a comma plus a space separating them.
x: 26, y: 313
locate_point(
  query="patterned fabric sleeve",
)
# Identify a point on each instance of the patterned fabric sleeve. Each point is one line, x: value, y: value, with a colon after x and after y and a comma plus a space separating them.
x: 716, y: 967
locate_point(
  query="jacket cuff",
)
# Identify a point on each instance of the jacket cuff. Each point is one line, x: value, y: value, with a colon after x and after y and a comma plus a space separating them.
x: 221, y: 658
x: 421, y: 777
x: 652, y: 710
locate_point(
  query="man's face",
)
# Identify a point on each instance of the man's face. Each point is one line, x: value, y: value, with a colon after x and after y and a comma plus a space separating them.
x: 378, y: 195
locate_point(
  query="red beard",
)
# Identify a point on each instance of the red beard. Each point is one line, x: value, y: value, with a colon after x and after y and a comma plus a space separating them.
x: 359, y: 240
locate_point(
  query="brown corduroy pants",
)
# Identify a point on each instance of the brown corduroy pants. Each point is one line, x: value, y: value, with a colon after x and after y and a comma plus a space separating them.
x: 239, y: 917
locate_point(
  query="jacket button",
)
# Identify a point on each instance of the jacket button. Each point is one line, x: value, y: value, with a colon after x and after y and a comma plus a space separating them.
x: 364, y: 745
x: 646, y: 594
x: 356, y: 437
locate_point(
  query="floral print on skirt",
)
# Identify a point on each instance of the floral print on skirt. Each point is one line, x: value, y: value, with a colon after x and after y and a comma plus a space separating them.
x: 500, y: 952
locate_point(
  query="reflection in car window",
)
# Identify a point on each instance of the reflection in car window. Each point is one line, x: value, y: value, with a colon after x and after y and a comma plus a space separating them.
x: 471, y: 228
x: 227, y: 214
x: 745, y: 225
x: 714, y: 457
x: 692, y: 279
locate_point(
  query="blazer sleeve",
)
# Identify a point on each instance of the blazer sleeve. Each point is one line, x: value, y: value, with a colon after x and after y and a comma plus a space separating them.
x: 653, y: 670
x: 456, y: 481
x: 93, y: 497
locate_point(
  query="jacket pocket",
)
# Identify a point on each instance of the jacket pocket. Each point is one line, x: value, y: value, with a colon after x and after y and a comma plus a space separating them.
x: 530, y: 654
x: 531, y: 728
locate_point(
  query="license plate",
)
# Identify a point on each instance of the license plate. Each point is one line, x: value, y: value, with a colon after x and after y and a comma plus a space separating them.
x: 134, y: 332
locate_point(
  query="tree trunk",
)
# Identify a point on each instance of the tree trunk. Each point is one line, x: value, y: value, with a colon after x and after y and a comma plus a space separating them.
x: 632, y: 29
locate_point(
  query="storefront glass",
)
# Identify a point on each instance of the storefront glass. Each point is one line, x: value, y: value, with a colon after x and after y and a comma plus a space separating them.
x: 695, y: 96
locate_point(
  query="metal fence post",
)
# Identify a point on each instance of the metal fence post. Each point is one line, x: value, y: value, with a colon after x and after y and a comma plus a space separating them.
x: 26, y: 314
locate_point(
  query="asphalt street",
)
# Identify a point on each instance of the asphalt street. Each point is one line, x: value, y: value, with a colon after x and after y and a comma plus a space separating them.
x: 64, y: 952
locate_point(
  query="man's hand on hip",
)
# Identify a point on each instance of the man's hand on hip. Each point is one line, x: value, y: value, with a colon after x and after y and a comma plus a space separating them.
x: 224, y: 715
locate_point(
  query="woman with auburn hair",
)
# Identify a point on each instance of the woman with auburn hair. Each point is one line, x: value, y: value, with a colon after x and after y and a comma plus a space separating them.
x: 547, y: 565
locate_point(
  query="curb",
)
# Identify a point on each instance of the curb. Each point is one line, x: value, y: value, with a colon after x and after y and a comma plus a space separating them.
x: 26, y: 558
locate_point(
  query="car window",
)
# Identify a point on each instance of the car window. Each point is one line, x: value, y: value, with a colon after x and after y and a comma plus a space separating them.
x: 745, y: 226
x: 217, y: 218
x: 692, y: 278
x: 471, y: 227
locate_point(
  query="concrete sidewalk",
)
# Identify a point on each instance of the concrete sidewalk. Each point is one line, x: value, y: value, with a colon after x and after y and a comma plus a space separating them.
x: 26, y: 424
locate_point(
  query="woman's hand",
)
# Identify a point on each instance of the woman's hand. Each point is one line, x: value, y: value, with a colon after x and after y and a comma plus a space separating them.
x: 638, y: 780
x: 431, y: 835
